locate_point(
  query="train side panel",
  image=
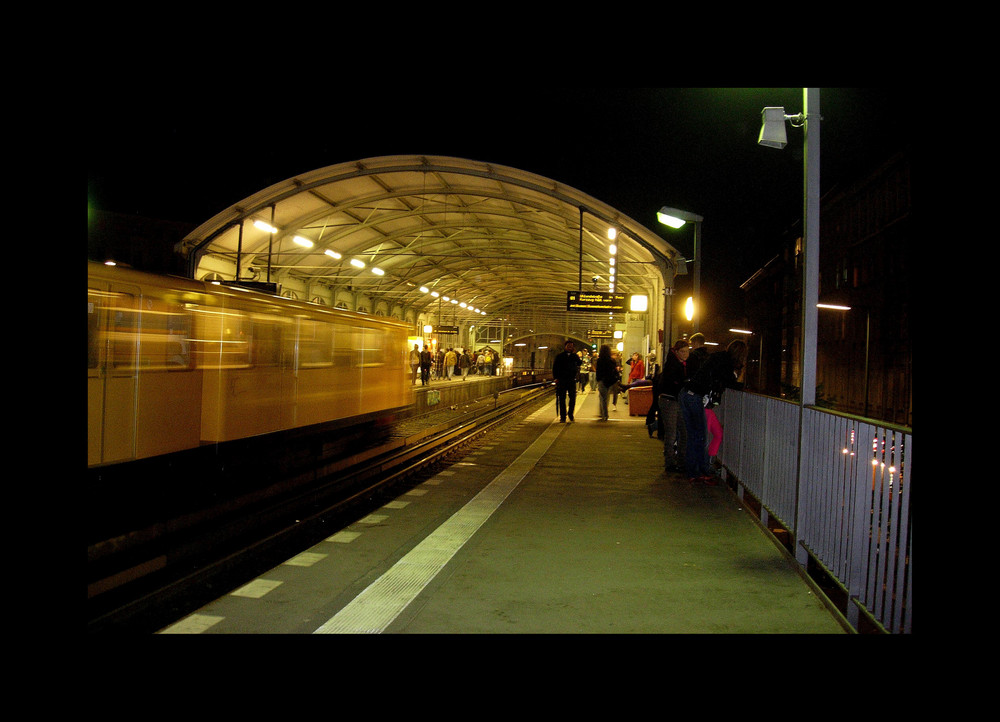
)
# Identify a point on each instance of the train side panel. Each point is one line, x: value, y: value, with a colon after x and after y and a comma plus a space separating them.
x: 143, y: 393
x: 174, y: 363
x: 244, y: 353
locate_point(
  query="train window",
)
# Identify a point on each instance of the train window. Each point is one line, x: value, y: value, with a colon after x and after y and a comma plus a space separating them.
x: 123, y: 322
x: 266, y: 341
x: 343, y: 346
x: 315, y: 344
x: 221, y: 339
x: 372, y: 348
x: 164, y: 338
x: 95, y: 307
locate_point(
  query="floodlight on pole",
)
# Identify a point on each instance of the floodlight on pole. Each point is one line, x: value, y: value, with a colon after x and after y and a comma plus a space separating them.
x: 772, y: 135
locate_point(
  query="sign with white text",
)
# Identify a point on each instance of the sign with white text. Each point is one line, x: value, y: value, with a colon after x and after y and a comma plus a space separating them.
x: 595, y: 301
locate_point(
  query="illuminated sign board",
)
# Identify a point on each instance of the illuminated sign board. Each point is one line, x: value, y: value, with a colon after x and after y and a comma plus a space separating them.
x: 595, y: 301
x: 446, y: 329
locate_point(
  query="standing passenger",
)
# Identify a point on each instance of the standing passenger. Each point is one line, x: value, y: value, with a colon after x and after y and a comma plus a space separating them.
x: 672, y: 378
x: 426, y: 359
x: 593, y: 371
x: 714, y: 429
x: 565, y: 370
x: 699, y: 354
x: 637, y: 372
x: 607, y: 375
x: 414, y: 364
x: 450, y: 359
x: 439, y: 365
x: 464, y: 362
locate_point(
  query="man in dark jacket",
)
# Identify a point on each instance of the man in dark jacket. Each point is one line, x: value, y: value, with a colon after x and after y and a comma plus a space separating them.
x: 565, y: 370
x: 670, y: 381
x: 698, y: 355
x: 426, y: 359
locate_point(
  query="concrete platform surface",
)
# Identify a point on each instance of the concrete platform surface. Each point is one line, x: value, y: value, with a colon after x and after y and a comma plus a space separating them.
x: 550, y: 529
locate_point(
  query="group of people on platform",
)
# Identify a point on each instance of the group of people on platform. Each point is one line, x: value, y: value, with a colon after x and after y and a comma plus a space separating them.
x: 686, y: 388
x: 446, y: 364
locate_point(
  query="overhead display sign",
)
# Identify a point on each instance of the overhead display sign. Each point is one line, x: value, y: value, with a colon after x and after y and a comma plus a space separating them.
x: 595, y: 301
x: 446, y: 329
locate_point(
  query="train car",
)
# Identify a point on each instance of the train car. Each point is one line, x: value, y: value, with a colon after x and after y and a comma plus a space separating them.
x: 173, y: 364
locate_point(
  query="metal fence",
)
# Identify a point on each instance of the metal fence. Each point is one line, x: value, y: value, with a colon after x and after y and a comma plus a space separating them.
x: 840, y: 485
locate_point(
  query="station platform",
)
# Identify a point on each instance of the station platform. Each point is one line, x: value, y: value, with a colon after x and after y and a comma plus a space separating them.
x: 546, y: 528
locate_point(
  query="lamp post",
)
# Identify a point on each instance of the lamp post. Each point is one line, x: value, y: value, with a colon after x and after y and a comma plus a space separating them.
x: 675, y: 218
x: 772, y: 135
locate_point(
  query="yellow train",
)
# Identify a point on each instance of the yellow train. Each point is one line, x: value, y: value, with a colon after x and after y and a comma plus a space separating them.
x: 174, y: 364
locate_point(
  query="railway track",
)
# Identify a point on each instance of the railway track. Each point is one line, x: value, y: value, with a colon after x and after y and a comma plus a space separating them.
x: 202, y: 561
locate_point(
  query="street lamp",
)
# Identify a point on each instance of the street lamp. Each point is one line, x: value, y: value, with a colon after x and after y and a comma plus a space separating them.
x: 675, y: 218
x: 810, y: 121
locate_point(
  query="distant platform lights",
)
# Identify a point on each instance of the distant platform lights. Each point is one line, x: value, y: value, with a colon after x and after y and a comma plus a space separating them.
x: 455, y: 301
x: 613, y: 251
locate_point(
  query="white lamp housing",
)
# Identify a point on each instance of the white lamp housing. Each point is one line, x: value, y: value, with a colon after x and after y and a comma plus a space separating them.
x: 772, y: 132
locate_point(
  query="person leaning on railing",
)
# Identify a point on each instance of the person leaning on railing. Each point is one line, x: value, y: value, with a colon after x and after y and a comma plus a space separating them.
x: 719, y: 372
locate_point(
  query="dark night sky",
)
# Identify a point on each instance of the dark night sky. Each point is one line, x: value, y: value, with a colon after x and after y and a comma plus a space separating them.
x: 637, y: 149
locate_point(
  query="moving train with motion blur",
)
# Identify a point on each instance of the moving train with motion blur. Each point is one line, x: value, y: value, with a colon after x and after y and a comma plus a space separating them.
x: 174, y: 364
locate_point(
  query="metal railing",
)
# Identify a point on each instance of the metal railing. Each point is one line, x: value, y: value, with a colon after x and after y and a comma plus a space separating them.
x: 840, y: 485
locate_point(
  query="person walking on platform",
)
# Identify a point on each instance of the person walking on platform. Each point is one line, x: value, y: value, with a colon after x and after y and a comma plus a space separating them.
x: 584, y: 369
x: 414, y: 364
x: 671, y: 379
x: 464, y: 362
x: 426, y: 360
x: 617, y: 387
x: 450, y: 359
x: 565, y: 370
x: 607, y: 378
x: 719, y: 372
x: 593, y: 371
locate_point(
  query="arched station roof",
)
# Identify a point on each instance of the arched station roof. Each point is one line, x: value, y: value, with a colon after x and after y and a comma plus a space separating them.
x: 499, y: 239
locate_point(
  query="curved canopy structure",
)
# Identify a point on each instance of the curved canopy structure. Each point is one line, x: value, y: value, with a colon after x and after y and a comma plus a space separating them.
x: 504, y: 241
